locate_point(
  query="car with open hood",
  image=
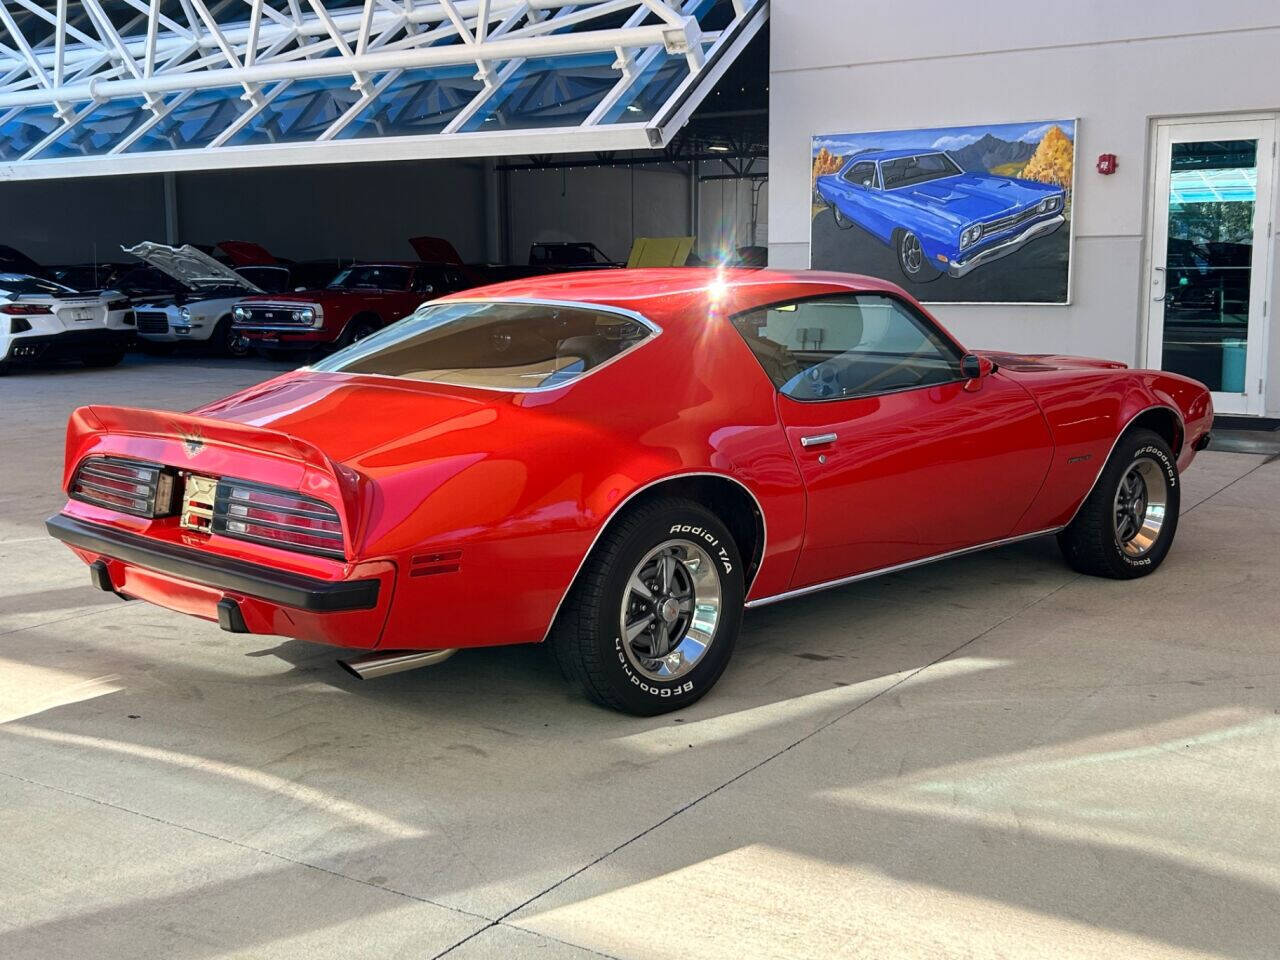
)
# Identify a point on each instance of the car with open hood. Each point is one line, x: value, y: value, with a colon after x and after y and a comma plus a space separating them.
x: 360, y: 300
x: 44, y: 320
x: 200, y: 309
x: 617, y: 463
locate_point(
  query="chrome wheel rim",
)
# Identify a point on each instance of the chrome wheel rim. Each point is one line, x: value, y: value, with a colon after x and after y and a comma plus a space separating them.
x: 670, y: 610
x: 1138, y: 510
x: 912, y: 255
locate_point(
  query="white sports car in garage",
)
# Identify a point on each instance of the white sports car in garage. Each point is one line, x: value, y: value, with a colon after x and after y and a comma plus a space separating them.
x: 40, y: 319
x: 202, y: 312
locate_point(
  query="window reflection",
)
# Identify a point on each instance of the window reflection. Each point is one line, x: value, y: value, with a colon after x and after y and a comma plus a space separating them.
x: 1212, y: 193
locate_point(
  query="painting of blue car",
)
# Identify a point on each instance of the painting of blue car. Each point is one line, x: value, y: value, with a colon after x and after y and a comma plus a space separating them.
x: 949, y: 204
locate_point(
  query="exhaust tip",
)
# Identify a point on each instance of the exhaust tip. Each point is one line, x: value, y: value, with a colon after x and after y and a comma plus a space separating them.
x: 373, y: 665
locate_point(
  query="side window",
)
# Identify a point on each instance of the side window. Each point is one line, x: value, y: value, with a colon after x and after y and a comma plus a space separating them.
x: 862, y: 174
x: 834, y: 348
x: 426, y: 281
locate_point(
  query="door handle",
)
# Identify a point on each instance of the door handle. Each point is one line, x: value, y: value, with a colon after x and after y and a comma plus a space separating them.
x: 817, y: 439
x: 1164, y: 277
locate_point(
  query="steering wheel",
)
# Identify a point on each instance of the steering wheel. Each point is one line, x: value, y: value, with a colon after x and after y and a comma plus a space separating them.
x: 822, y: 379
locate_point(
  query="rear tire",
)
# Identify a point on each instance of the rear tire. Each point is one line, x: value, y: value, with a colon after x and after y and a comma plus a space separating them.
x: 650, y: 624
x: 1126, y: 526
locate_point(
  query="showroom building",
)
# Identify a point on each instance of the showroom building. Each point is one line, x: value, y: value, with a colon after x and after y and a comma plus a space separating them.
x: 1166, y: 266
x: 1056, y: 182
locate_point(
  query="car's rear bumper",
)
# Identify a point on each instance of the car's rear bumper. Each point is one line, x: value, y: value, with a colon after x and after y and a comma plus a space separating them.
x: 69, y: 345
x: 1042, y: 228
x: 348, y: 613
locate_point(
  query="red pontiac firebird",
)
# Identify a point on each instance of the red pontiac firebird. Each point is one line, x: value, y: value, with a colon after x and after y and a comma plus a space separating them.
x: 616, y: 464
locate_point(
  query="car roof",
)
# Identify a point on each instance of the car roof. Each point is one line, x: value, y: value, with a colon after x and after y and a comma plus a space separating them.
x: 893, y: 154
x: 678, y: 296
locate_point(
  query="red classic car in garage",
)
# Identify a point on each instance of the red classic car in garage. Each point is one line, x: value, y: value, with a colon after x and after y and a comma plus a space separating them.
x: 617, y: 463
x: 358, y: 301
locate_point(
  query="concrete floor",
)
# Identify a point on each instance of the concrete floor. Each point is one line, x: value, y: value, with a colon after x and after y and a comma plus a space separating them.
x: 992, y: 757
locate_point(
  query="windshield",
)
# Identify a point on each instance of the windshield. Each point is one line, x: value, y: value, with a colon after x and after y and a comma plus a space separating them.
x: 371, y: 278
x: 907, y: 171
x: 21, y: 284
x: 496, y: 346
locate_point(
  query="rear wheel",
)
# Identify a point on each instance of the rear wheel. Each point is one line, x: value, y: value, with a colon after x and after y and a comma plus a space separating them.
x: 1126, y: 526
x: 651, y: 621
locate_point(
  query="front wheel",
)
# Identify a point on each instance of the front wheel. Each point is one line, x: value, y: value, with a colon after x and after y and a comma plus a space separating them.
x: 358, y: 329
x: 843, y: 222
x: 912, y: 259
x: 650, y: 623
x: 226, y: 342
x: 1126, y: 526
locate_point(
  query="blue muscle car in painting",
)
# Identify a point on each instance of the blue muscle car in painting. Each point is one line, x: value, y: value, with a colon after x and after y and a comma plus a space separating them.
x: 937, y: 217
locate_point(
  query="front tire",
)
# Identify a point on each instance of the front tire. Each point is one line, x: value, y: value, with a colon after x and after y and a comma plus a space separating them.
x: 1126, y: 526
x: 912, y: 259
x: 843, y: 222
x: 359, y: 328
x: 651, y: 622
x: 226, y: 342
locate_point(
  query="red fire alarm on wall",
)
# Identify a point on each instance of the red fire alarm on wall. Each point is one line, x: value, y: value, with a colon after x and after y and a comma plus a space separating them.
x: 1107, y: 164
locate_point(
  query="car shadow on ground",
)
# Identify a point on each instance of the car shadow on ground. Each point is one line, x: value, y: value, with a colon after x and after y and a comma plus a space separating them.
x: 996, y: 790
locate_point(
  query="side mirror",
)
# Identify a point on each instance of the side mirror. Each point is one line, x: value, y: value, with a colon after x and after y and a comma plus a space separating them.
x: 973, y: 367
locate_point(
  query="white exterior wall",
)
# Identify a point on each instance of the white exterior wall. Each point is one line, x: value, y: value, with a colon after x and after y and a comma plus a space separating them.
x: 838, y: 66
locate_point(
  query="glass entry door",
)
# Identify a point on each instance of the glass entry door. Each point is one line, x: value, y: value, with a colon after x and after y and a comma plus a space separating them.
x: 1210, y: 256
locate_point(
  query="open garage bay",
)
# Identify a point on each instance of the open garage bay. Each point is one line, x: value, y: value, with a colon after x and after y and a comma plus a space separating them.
x: 992, y: 756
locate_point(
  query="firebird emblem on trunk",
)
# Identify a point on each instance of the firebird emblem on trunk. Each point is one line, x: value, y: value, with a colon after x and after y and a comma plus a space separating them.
x: 192, y: 444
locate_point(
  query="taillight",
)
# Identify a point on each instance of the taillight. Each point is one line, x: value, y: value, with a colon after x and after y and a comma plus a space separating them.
x: 248, y: 511
x: 130, y: 486
x: 24, y: 309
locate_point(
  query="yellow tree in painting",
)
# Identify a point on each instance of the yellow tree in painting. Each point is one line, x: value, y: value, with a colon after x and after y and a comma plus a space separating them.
x: 1051, y: 163
x: 826, y: 162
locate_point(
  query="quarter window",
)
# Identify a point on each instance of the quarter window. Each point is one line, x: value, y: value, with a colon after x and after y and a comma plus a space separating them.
x: 862, y: 174
x: 833, y: 348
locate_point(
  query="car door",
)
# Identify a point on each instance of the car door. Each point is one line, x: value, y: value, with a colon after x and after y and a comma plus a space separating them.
x: 902, y: 457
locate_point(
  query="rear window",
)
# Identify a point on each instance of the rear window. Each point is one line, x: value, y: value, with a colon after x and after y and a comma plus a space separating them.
x: 21, y: 285
x: 496, y: 346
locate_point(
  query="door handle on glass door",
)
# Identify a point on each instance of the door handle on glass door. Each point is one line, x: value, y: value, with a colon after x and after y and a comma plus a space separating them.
x: 817, y: 440
x: 1164, y: 280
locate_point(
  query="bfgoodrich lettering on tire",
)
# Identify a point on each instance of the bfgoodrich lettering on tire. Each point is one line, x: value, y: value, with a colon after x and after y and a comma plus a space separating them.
x: 1126, y: 526
x: 651, y: 621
